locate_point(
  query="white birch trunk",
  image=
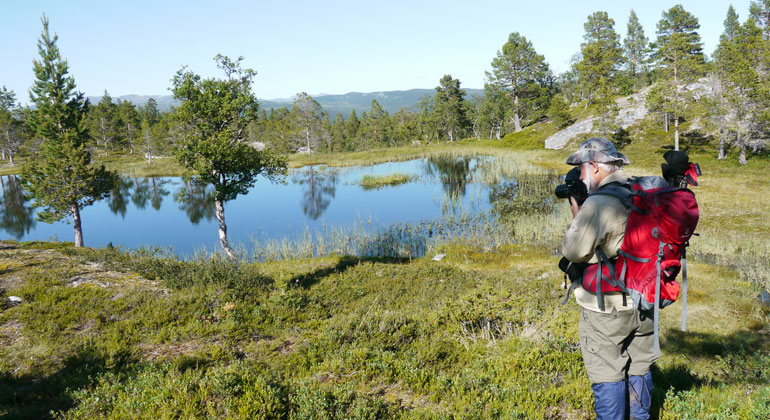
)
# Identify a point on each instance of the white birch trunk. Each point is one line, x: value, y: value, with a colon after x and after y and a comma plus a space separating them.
x: 220, y: 215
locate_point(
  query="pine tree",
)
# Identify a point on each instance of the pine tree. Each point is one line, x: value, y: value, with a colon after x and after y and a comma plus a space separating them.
x: 741, y: 65
x: 10, y: 125
x: 760, y: 11
x: 679, y: 57
x: 558, y: 112
x: 450, y: 107
x: 352, y: 128
x: 519, y: 70
x: 600, y: 54
x: 61, y: 178
x: 306, y: 117
x: 104, y: 124
x: 732, y: 25
x: 635, y: 50
x: 216, y: 113
x: 130, y: 124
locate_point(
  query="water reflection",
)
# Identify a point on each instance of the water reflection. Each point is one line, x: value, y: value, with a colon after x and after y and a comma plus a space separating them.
x: 15, y: 218
x: 318, y: 188
x: 454, y: 173
x: 524, y: 195
x: 158, y: 192
x: 142, y: 193
x: 197, y: 201
x: 120, y: 196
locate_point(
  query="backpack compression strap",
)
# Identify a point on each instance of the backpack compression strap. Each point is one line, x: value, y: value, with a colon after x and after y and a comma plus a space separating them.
x: 684, y: 289
x: 656, y: 308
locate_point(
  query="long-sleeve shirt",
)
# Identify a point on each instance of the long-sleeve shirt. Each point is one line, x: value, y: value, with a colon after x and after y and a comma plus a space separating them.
x: 601, y: 222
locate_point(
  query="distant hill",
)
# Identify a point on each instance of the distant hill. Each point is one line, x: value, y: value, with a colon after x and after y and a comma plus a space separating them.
x: 164, y: 101
x: 391, y: 101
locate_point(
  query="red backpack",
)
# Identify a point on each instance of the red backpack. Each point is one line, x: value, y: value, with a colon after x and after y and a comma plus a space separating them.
x: 661, y: 221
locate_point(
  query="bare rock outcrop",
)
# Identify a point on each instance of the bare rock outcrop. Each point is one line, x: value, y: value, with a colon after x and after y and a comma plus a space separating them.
x: 631, y: 110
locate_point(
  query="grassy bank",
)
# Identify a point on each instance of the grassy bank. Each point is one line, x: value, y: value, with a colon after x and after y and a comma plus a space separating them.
x: 102, y: 334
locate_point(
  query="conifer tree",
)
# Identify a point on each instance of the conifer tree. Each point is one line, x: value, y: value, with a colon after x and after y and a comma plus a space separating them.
x: 306, y: 115
x: 635, y: 49
x: 732, y: 24
x: 679, y: 57
x: 760, y: 11
x: 600, y: 55
x: 216, y: 113
x: 518, y: 70
x: 558, y: 112
x: 741, y: 65
x: 104, y: 124
x: 10, y: 125
x: 61, y: 178
x: 130, y: 124
x: 450, y: 107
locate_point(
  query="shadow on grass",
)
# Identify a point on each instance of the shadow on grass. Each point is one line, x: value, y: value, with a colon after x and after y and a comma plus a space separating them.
x: 36, y: 397
x: 307, y: 280
x: 739, y: 355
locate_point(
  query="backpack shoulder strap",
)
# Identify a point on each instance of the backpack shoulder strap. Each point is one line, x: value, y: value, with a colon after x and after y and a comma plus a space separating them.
x: 622, y: 191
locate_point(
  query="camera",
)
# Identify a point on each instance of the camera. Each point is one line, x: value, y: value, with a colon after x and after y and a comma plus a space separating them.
x: 573, y: 187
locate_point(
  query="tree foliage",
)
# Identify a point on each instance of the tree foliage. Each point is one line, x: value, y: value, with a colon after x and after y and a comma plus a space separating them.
x: 679, y: 59
x: 742, y: 60
x: 635, y: 50
x: 521, y: 72
x: 61, y: 178
x: 450, y: 107
x: 215, y: 114
x: 601, y: 55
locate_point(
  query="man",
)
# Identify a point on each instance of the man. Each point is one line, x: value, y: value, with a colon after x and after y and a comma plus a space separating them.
x: 617, y: 342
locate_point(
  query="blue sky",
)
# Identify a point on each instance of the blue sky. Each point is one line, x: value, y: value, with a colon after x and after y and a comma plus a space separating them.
x: 313, y: 46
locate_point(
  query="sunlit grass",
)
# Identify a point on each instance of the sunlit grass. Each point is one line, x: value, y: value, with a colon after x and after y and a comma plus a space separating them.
x: 378, y: 181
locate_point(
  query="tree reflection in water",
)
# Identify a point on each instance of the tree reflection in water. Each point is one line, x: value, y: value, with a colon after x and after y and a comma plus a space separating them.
x: 524, y: 195
x: 120, y: 196
x: 141, y: 194
x: 318, y: 187
x: 454, y: 173
x: 15, y: 218
x: 197, y: 201
x: 158, y: 192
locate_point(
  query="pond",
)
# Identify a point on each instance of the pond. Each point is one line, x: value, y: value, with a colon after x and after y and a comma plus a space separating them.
x: 318, y: 210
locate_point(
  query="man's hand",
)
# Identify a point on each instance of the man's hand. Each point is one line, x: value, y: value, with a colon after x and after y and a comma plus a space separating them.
x: 574, y: 207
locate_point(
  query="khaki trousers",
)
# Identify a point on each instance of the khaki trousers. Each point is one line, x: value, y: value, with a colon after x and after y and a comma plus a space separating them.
x: 615, y: 345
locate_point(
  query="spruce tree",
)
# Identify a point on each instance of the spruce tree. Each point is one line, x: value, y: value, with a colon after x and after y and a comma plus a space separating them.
x: 61, y: 177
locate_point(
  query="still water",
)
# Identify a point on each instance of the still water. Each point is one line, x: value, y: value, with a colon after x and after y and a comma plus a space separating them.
x: 172, y: 212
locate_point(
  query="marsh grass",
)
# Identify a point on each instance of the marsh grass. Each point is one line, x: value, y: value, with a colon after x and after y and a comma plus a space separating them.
x: 369, y: 182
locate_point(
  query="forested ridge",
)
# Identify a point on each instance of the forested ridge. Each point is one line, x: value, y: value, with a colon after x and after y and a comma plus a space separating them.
x: 728, y: 105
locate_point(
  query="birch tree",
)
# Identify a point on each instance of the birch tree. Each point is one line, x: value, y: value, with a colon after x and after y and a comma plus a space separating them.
x: 216, y: 114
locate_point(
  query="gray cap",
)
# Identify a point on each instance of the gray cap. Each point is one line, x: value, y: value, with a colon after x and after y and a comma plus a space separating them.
x: 597, y: 150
